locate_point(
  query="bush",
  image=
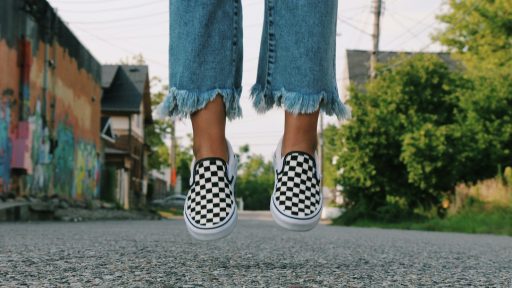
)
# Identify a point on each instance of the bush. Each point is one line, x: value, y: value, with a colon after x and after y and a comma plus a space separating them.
x: 507, y: 175
x: 255, y: 183
x: 401, y: 138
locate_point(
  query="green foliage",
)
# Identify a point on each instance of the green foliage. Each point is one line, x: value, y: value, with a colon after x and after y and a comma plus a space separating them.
x: 419, y: 129
x: 255, y: 181
x: 507, y: 175
x: 474, y: 218
x: 159, y: 155
x: 480, y: 33
x: 332, y: 145
x: 430, y: 157
x: 156, y: 132
x: 400, y: 138
x: 184, y: 159
x: 486, y: 122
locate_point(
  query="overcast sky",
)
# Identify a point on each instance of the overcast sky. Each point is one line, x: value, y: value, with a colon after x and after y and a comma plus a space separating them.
x: 116, y: 29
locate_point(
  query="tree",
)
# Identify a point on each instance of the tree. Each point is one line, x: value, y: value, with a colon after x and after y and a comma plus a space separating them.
x: 137, y: 59
x: 184, y: 159
x: 396, y: 152
x: 156, y: 132
x: 419, y: 128
x: 331, y: 148
x: 255, y: 180
x: 480, y: 33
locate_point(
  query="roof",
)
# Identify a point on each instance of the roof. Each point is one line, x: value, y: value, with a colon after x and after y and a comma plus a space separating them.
x: 358, y: 62
x: 107, y: 75
x: 124, y: 87
x: 114, y: 151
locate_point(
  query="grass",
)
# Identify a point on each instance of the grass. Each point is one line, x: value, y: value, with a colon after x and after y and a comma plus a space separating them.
x: 485, y: 207
x: 473, y: 220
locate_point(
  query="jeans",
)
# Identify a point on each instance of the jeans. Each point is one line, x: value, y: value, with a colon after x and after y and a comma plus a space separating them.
x: 296, y: 68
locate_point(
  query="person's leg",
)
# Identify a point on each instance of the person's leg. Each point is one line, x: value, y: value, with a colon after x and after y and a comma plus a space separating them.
x: 297, y: 72
x: 300, y: 133
x: 297, y: 67
x: 205, y: 58
x: 209, y: 126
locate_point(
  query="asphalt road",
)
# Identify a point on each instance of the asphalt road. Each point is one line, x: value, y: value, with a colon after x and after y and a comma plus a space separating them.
x: 257, y: 254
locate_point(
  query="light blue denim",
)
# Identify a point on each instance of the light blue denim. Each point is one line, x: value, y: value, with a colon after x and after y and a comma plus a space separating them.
x: 296, y: 68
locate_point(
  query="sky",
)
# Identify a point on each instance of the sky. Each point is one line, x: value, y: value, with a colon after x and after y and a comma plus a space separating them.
x: 117, y: 29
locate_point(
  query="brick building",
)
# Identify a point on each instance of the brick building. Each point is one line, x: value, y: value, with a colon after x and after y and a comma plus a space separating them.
x: 50, y: 97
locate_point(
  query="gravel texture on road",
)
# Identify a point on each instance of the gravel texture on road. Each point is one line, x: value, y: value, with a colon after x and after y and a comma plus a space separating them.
x: 257, y: 254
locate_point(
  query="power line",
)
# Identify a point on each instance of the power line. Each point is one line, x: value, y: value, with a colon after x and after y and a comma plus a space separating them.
x: 122, y: 19
x: 401, y: 24
x: 356, y: 8
x: 410, y: 18
x: 111, y: 9
x: 423, y: 50
x: 88, y: 1
x: 123, y: 25
x: 414, y: 36
x: 418, y: 23
x: 365, y: 23
x: 353, y: 26
x: 140, y: 36
x: 120, y: 47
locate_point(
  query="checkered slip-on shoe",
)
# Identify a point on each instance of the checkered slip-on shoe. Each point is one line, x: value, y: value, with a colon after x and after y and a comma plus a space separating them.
x: 296, y: 203
x: 210, y: 209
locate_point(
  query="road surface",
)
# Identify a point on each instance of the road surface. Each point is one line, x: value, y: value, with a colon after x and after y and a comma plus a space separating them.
x: 257, y: 254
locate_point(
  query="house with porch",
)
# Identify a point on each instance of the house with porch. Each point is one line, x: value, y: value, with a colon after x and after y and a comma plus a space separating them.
x: 126, y: 110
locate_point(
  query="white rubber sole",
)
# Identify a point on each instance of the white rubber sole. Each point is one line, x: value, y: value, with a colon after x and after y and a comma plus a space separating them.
x: 215, y: 233
x: 291, y: 223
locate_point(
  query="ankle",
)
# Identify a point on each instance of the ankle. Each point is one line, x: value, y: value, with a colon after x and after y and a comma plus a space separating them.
x: 303, y: 144
x: 300, y: 133
x: 203, y: 148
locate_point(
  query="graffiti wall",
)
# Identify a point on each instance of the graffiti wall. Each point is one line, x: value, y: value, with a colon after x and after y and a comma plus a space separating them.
x: 5, y: 139
x: 50, y: 101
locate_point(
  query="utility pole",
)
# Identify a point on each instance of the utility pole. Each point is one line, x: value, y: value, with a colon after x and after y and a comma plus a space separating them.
x: 377, y: 11
x: 321, y: 144
x: 173, y: 156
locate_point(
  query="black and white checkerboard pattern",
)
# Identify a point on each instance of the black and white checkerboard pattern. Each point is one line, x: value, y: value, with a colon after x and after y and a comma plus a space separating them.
x: 209, y: 200
x: 298, y: 188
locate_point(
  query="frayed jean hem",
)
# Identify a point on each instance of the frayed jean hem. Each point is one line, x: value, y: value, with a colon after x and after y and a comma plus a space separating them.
x: 299, y: 103
x: 180, y: 104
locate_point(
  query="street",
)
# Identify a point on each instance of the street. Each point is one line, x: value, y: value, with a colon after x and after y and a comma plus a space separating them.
x: 257, y: 254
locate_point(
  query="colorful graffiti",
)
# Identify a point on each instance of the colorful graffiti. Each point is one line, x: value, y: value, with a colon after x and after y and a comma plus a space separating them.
x: 76, y: 166
x: 5, y: 141
x: 63, y: 160
x: 72, y: 170
x: 40, y: 153
x: 22, y: 141
x: 87, y: 172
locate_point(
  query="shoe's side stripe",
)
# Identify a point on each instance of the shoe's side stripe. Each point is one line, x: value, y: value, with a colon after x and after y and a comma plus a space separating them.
x: 190, y: 221
x: 319, y: 208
